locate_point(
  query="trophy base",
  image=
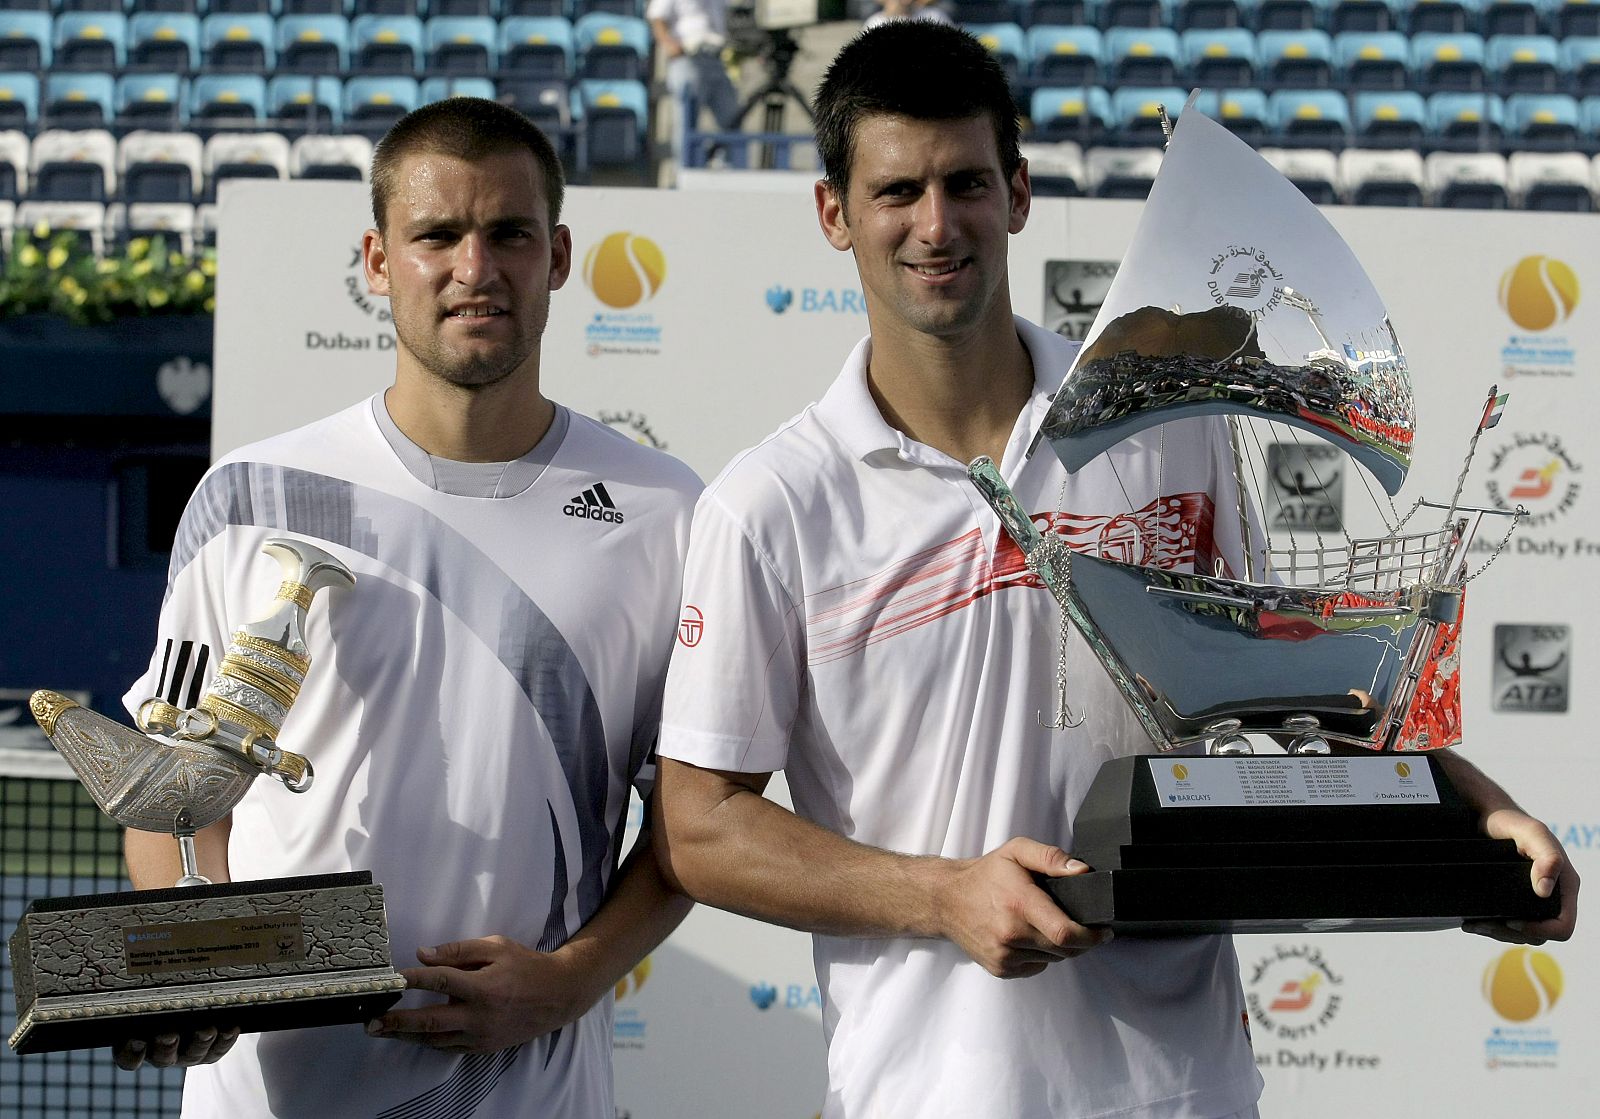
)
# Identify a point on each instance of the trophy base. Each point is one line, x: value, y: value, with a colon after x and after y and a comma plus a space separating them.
x: 283, y: 953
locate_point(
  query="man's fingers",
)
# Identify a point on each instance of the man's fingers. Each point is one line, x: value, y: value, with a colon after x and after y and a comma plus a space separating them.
x: 1042, y: 858
x: 462, y: 953
x: 128, y: 1055
x: 162, y: 1051
x: 440, y: 980
x: 427, y: 1021
x: 224, y: 1042
x: 197, y: 1046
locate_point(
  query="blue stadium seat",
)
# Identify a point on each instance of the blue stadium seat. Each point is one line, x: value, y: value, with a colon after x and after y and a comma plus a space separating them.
x: 1057, y: 13
x: 1062, y: 113
x: 964, y: 12
x: 1580, y: 64
x: 1143, y: 56
x: 1567, y: 18
x: 633, y: 9
x: 1286, y: 15
x: 410, y: 9
x: 19, y: 100
x: 615, y: 121
x: 616, y: 48
x: 1545, y: 120
x: 1443, y: 17
x: 1303, y: 59
x: 1510, y: 17
x: 313, y: 44
x: 538, y: 47
x: 77, y: 100
x: 542, y: 9
x: 373, y: 103
x: 1477, y: 118
x: 1589, y: 117
x: 1003, y: 40
x: 1390, y: 118
x: 1365, y: 15
x: 240, y: 7
x: 545, y: 101
x: 90, y: 5
x: 461, y: 44
x: 164, y: 41
x: 239, y: 43
x: 1372, y: 60
x: 438, y: 8
x: 1243, y: 112
x: 90, y: 41
x: 227, y: 100
x: 1312, y: 116
x: 300, y: 7
x: 439, y: 89
x: 1219, y: 58
x: 1065, y: 55
x: 1133, y: 13
x: 25, y: 41
x: 180, y: 7
x: 1447, y: 62
x: 1524, y: 63
x: 153, y: 101
x: 385, y: 44
x: 1209, y: 15
x: 305, y: 102
x: 1136, y: 112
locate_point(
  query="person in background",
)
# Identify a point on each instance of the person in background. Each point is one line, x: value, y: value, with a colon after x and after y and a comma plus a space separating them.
x: 691, y: 34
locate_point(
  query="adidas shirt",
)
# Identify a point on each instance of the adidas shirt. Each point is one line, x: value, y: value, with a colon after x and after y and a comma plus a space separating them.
x: 861, y: 621
x: 476, y: 709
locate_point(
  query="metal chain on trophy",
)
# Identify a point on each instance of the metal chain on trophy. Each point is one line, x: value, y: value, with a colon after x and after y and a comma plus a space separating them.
x: 1053, y: 552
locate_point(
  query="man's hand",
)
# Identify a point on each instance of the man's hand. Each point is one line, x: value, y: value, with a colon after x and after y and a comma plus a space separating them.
x: 1551, y: 870
x: 500, y: 994
x: 994, y: 911
x: 200, y: 1047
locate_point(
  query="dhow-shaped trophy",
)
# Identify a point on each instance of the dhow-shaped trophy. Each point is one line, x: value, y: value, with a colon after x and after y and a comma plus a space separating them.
x: 273, y: 954
x: 1237, y: 299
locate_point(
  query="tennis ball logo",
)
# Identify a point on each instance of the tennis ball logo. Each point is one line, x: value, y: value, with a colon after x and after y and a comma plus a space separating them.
x: 1180, y: 771
x: 1538, y: 292
x: 1402, y: 769
x: 631, y: 982
x: 1522, y: 984
x: 624, y: 269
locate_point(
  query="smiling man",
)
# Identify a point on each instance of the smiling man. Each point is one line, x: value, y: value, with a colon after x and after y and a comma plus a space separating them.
x: 484, y: 697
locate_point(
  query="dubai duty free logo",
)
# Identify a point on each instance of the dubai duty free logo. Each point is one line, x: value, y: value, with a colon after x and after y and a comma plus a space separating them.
x: 1243, y: 277
x: 624, y: 269
x: 1539, y: 294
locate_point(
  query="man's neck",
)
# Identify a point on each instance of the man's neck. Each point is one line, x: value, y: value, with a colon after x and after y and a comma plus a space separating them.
x: 487, y: 423
x: 960, y: 396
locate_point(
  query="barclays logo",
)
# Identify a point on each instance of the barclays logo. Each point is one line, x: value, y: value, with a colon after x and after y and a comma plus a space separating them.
x: 817, y: 301
x: 763, y: 995
x: 779, y: 298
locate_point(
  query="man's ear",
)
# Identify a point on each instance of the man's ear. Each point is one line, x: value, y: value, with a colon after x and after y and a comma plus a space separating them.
x: 1021, y: 197
x: 831, y: 216
x: 375, y: 262
x: 560, y: 256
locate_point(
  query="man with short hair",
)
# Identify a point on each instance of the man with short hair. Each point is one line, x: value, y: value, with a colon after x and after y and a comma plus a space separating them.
x: 482, y: 700
x: 868, y: 627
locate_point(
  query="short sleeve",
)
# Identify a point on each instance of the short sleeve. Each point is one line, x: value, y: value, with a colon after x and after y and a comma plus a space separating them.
x: 737, y: 673
x: 191, y: 635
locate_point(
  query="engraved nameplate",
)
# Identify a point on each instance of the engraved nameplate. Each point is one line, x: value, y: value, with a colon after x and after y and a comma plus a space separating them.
x: 267, y: 939
x: 1279, y: 781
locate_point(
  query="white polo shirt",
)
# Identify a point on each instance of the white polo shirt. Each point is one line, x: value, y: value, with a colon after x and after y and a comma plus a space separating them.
x: 856, y: 616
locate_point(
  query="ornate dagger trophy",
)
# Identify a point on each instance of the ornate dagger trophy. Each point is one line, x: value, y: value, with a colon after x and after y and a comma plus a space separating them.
x: 1238, y: 300
x: 274, y: 954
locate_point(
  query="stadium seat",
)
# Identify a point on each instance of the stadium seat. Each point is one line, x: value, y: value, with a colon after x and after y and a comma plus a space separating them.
x: 385, y: 44
x: 1314, y: 172
x: 1286, y: 15
x: 77, y: 165
x: 1390, y: 119
x: 330, y: 157
x: 545, y: 101
x: 1121, y: 172
x: 633, y: 9
x: 205, y: 225
x: 466, y: 85
x: 1523, y: 63
x: 462, y: 8
x: 372, y: 104
x: 1056, y: 170
x: 1574, y: 17
x: 13, y: 166
x: 243, y: 155
x: 90, y: 41
x: 615, y: 122
x: 409, y: 9
x: 1132, y: 13
x: 617, y: 48
x: 1241, y: 111
x: 1142, y: 56
x: 19, y: 100
x: 160, y: 166
x: 1589, y: 118
x: 1316, y: 116
x: 1210, y: 15
x: 964, y: 12
x: 461, y: 44
x: 25, y: 41
x: 1551, y: 181
x: 305, y: 102
x: 1303, y: 59
x: 74, y: 100
x: 189, y: 7
x: 1372, y: 60
x: 297, y: 7
x: 537, y: 47
x: 1546, y: 120
x: 313, y: 44
x: 1510, y: 17
x: 1136, y: 113
x: 540, y: 9
x: 1447, y: 62
x: 1058, y: 13
x: 1476, y: 118
x: 1580, y: 64
x: 227, y: 100
x: 85, y: 220
x: 150, y: 101
x: 240, y: 7
x: 172, y: 222
x: 1082, y: 113
x: 1381, y: 178
x: 1003, y: 40
x: 239, y: 43
x: 164, y: 41
x: 1467, y: 180
x: 1443, y: 17
x: 1363, y: 15
x: 1221, y: 57
x: 1065, y: 55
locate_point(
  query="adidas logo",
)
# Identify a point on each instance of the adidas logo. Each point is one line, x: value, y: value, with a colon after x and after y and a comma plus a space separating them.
x: 594, y: 504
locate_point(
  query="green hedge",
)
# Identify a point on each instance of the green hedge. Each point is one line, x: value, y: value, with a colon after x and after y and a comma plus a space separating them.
x: 48, y: 272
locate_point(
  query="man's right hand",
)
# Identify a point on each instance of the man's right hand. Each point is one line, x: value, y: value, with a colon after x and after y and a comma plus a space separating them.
x: 200, y: 1047
x: 992, y: 908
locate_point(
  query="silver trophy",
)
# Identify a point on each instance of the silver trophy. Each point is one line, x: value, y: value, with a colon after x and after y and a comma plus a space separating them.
x: 259, y: 955
x: 1238, y: 299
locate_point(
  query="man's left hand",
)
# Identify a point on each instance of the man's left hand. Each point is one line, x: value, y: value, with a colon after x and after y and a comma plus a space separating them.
x: 499, y: 994
x: 1551, y: 872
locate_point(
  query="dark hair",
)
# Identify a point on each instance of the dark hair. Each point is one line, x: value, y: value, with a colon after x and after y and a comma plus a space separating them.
x: 464, y: 128
x: 916, y: 69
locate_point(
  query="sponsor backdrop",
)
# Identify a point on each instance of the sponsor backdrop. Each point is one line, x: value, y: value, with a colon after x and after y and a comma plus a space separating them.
x: 698, y: 322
